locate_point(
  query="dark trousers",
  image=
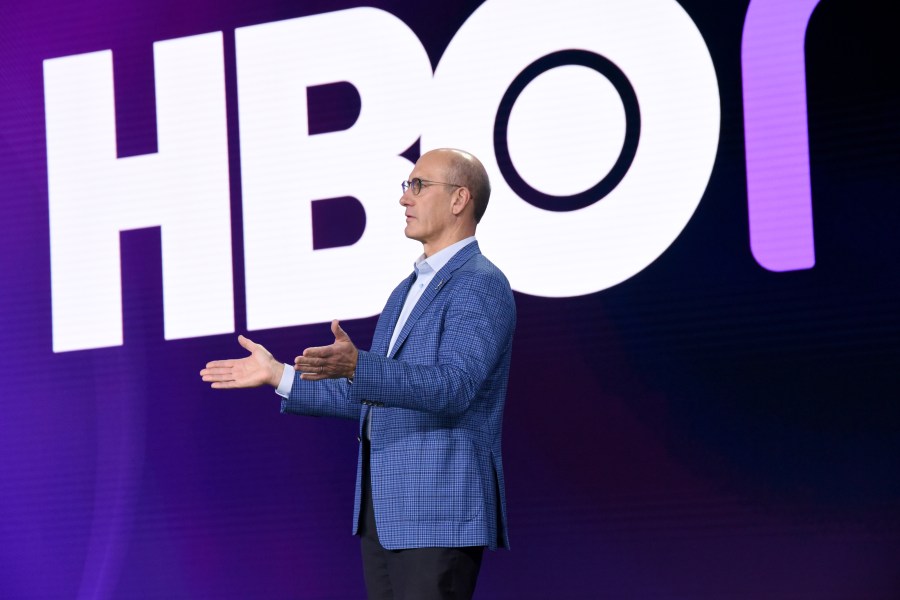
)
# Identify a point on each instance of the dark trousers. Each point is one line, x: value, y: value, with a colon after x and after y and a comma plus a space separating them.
x: 415, y: 573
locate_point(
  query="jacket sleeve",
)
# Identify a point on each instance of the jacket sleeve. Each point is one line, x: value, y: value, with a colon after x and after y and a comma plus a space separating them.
x: 325, y: 398
x: 475, y: 334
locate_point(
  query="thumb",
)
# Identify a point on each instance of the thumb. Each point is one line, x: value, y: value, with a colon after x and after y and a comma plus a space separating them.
x: 339, y: 334
x: 246, y: 343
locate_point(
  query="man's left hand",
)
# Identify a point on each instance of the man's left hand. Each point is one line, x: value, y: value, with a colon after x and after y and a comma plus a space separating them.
x: 329, y: 362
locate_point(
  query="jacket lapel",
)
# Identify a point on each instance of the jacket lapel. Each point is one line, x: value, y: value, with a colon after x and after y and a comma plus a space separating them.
x: 441, y: 278
x: 392, y: 312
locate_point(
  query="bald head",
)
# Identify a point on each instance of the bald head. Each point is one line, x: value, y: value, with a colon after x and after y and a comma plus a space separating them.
x: 466, y: 170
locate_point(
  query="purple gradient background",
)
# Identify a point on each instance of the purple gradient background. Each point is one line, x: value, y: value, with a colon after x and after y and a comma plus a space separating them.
x: 707, y: 429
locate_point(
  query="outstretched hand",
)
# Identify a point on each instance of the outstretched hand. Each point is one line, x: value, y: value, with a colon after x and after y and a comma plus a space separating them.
x: 251, y: 371
x: 329, y: 362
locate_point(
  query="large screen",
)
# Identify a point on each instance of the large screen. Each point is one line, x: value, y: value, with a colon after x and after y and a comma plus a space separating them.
x: 695, y: 202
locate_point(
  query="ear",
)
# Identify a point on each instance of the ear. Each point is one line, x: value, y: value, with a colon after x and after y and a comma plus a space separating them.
x: 461, y: 199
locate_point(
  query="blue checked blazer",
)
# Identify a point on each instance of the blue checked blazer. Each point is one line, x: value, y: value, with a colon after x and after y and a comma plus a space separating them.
x: 436, y: 406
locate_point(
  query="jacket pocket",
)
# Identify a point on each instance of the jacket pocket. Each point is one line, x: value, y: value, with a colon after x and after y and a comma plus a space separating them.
x: 440, y: 478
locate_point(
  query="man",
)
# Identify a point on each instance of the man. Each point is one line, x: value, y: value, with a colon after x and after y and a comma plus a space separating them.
x: 428, y: 396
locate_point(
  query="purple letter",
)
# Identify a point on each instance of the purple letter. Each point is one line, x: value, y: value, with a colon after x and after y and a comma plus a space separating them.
x: 775, y: 132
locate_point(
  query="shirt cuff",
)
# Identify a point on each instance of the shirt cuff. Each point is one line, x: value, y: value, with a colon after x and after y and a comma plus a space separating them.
x: 287, y: 381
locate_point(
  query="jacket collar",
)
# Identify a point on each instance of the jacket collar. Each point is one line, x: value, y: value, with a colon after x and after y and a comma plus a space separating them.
x: 434, y: 288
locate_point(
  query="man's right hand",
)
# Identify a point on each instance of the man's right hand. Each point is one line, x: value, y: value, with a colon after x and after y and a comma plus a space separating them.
x: 255, y: 370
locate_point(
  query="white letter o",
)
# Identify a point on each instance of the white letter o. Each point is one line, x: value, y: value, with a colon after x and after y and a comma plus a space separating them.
x: 661, y: 52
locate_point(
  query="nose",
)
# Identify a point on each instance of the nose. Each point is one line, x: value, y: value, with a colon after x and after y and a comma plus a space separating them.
x: 405, y: 198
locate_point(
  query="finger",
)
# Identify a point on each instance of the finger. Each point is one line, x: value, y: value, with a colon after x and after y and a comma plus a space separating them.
x: 312, y: 376
x: 309, y: 363
x: 224, y: 385
x: 318, y: 352
x: 218, y: 377
x: 214, y: 364
x: 339, y: 334
x: 216, y: 371
x: 246, y: 343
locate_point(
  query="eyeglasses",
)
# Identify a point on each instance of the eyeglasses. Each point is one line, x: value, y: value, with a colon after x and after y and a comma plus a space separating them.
x: 415, y: 184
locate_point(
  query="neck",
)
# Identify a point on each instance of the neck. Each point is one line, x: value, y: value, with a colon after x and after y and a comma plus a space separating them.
x: 432, y: 248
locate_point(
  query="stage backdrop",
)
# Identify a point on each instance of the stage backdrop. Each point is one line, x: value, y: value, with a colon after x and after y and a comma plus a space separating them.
x: 696, y: 203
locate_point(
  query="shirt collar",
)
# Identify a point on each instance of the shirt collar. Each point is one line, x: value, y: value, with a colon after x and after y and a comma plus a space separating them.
x: 436, y: 261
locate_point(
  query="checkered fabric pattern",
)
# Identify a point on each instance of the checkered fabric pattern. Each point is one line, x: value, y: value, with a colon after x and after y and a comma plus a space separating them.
x: 436, y: 405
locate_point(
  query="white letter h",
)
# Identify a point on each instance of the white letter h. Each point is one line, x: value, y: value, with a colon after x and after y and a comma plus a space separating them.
x: 183, y: 188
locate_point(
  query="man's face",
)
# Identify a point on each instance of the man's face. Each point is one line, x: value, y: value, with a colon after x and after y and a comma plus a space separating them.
x: 428, y: 215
